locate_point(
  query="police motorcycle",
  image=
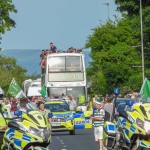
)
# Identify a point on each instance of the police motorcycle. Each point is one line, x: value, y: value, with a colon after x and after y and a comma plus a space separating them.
x: 130, y: 131
x: 28, y: 131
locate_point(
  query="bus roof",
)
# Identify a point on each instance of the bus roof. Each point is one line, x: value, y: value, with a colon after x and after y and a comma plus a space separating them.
x: 65, y: 54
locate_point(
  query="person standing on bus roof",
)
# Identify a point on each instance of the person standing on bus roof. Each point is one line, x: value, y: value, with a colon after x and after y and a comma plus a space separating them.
x: 53, y: 48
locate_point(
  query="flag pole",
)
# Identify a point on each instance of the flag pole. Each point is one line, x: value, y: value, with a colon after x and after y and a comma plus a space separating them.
x: 143, y: 85
x: 142, y: 89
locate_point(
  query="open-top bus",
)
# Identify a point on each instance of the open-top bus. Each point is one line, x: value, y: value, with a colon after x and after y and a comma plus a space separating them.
x: 65, y: 74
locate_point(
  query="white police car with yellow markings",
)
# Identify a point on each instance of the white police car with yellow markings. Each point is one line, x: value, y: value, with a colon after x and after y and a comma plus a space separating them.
x: 65, y: 120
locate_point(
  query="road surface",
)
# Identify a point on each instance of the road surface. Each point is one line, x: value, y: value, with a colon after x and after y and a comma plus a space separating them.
x: 83, y: 140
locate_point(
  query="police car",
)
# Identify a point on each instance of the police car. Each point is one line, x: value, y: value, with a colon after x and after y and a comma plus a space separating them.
x: 62, y: 119
x: 65, y: 120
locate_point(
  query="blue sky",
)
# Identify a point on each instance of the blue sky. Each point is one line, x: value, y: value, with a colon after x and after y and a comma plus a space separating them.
x: 66, y: 23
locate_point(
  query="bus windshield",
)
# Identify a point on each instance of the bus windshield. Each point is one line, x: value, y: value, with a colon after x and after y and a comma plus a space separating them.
x: 58, y: 91
x: 65, y: 64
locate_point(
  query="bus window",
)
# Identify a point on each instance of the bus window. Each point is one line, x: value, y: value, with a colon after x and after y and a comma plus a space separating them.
x: 69, y: 91
x: 76, y: 91
x: 73, y: 63
x: 57, y: 92
x: 56, y: 64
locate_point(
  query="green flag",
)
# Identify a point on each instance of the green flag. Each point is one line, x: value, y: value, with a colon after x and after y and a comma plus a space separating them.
x: 15, y: 90
x: 145, y: 91
x: 43, y: 91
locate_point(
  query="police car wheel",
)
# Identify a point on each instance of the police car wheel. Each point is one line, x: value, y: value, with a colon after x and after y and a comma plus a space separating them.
x: 72, y: 132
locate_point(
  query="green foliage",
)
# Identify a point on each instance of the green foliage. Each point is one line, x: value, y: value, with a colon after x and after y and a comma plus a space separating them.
x: 114, y: 57
x: 115, y: 49
x: 6, y: 7
x: 9, y: 70
x: 131, y: 7
x: 131, y: 11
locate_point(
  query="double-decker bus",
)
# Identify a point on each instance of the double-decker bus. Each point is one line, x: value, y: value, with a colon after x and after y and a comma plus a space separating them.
x: 65, y: 74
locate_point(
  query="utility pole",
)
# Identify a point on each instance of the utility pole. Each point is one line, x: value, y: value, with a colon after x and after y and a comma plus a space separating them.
x: 142, y: 48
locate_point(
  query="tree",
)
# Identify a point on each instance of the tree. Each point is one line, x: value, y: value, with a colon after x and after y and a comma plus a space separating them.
x: 131, y: 7
x: 131, y: 10
x: 9, y: 70
x: 6, y: 7
x: 113, y: 56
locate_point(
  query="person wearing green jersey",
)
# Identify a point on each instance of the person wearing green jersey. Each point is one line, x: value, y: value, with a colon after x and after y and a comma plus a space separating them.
x: 98, y: 121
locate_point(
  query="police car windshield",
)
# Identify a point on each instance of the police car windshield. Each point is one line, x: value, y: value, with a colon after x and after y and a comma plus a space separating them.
x: 57, y: 107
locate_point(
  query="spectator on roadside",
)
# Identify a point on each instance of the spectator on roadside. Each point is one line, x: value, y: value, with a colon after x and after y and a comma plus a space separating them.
x: 96, y: 97
x: 40, y: 98
x: 51, y: 97
x: 6, y: 103
x: 72, y: 103
x: 14, y: 106
x: 53, y: 48
x: 98, y: 121
x: 105, y: 98
x: 31, y: 103
x: 134, y: 94
x: 109, y: 106
x: 45, y: 112
x: 91, y: 103
x: 24, y: 104
x: 63, y: 96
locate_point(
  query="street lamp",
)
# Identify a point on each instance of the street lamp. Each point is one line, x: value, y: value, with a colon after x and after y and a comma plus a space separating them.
x: 142, y: 48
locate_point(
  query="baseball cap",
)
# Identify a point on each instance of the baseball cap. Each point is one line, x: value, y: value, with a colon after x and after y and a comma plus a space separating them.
x: 98, y: 101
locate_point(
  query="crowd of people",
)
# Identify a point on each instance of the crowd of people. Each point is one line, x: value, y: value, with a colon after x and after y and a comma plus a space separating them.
x: 16, y: 104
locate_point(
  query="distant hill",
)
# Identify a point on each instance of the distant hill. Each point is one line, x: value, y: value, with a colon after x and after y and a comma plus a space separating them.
x: 30, y: 59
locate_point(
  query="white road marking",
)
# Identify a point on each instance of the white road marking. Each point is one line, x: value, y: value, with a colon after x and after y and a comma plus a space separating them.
x: 62, y: 142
